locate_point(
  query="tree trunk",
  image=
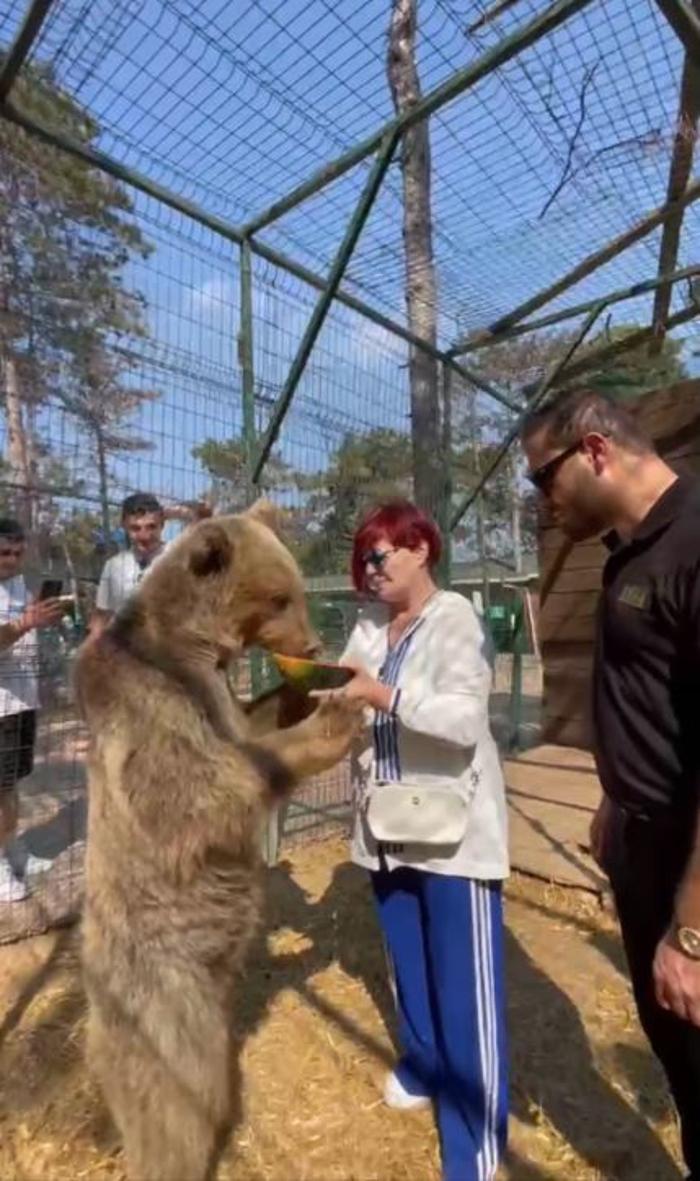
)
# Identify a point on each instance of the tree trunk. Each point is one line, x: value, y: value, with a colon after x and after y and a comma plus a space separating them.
x: 421, y: 297
x: 19, y: 450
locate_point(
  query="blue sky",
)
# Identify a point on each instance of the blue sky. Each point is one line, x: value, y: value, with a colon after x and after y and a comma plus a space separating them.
x: 233, y: 105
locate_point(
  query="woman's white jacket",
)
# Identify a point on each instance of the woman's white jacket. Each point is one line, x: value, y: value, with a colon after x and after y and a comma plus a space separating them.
x: 442, y: 734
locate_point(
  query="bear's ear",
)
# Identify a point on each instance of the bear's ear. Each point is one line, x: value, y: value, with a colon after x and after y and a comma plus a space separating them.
x: 266, y: 513
x: 210, y: 549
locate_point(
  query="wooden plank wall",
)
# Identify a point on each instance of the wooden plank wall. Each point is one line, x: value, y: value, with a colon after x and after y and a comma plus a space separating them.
x: 570, y: 576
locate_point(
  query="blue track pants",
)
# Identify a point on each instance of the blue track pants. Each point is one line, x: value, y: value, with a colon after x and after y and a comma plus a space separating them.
x: 444, y: 935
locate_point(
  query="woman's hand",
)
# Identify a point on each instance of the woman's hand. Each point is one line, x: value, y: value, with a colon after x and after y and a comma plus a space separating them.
x: 365, y: 688
x: 368, y: 689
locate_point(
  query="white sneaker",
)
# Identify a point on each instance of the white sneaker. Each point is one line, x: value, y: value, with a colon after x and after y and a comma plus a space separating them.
x: 396, y: 1095
x: 12, y: 888
x: 23, y: 863
x: 33, y: 865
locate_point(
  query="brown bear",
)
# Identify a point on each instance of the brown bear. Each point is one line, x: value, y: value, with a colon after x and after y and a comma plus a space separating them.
x: 180, y: 774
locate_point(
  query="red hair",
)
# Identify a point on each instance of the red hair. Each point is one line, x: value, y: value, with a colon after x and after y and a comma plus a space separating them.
x: 403, y: 524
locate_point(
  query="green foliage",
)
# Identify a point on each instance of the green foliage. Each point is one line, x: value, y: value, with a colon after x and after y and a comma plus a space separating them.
x: 225, y: 462
x: 363, y: 470
x: 633, y: 373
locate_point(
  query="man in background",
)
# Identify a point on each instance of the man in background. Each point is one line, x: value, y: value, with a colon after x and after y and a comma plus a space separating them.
x: 143, y: 520
x: 601, y: 477
x: 20, y: 620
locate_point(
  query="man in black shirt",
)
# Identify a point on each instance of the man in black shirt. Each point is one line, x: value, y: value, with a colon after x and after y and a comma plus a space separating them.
x: 601, y: 476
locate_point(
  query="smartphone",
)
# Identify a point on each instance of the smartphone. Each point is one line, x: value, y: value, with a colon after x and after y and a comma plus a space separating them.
x: 50, y: 588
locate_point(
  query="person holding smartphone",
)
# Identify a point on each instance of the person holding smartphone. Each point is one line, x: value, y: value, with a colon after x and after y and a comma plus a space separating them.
x: 20, y: 619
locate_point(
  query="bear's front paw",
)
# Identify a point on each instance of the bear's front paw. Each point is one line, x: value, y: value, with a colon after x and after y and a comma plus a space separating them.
x: 329, y: 732
x: 338, y: 716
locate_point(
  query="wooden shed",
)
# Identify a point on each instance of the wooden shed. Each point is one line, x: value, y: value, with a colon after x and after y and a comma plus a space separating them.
x: 570, y: 576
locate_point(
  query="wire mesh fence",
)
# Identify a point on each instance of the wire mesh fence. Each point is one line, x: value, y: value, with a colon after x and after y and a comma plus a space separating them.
x: 166, y: 417
x: 345, y: 444
x: 564, y: 146
x: 123, y: 337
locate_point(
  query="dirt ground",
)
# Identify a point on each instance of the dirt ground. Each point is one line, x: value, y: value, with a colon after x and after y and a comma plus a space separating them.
x: 316, y: 1024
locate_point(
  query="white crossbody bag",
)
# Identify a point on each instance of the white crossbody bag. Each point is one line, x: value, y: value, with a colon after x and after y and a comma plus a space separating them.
x: 411, y: 813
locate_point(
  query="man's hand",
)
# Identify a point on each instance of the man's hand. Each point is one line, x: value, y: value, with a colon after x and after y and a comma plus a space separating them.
x: 41, y: 613
x: 598, y: 831
x: 677, y: 981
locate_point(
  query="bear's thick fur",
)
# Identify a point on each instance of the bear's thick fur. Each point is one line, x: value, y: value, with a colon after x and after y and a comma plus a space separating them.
x: 180, y: 774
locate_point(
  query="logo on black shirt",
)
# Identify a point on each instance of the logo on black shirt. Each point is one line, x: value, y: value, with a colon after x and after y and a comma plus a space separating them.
x: 635, y: 596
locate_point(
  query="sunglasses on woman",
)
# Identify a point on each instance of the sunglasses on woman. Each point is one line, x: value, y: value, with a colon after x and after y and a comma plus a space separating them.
x: 376, y: 557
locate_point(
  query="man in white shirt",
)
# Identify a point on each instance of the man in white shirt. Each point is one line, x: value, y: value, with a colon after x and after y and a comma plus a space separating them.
x: 19, y: 699
x: 143, y: 520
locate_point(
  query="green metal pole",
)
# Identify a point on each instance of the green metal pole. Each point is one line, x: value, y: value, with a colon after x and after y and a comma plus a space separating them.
x: 587, y: 266
x: 516, y: 683
x: 581, y: 308
x: 445, y: 505
x: 322, y: 307
x: 685, y: 23
x: 480, y: 516
x: 130, y: 176
x: 21, y: 46
x: 245, y: 359
x: 475, y: 378
x: 501, y: 53
x: 547, y: 382
x: 481, y: 547
x: 271, y: 834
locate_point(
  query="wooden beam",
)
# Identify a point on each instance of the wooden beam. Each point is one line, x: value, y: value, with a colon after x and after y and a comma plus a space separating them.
x: 679, y: 175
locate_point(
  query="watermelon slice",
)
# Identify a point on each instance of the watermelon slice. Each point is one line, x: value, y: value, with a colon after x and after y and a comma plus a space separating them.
x: 307, y: 675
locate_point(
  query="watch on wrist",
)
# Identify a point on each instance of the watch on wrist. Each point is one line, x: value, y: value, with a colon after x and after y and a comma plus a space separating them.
x: 688, y: 939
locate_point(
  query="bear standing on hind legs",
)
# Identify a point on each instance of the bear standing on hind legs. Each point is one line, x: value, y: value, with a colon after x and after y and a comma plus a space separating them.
x: 180, y: 775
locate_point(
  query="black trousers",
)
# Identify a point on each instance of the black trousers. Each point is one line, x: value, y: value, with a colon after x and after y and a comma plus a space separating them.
x: 645, y: 860
x: 17, y: 739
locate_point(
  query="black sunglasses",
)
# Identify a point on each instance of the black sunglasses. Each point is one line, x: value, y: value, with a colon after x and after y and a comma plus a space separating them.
x: 376, y: 557
x: 543, y: 476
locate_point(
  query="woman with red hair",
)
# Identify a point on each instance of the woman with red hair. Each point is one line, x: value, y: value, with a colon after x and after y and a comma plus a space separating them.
x: 430, y: 827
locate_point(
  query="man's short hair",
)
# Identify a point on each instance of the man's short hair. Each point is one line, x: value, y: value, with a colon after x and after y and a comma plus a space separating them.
x: 11, y: 530
x: 140, y: 503
x: 575, y: 413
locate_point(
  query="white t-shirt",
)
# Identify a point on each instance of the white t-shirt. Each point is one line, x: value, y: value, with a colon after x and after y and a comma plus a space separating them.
x: 120, y: 577
x: 19, y: 673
